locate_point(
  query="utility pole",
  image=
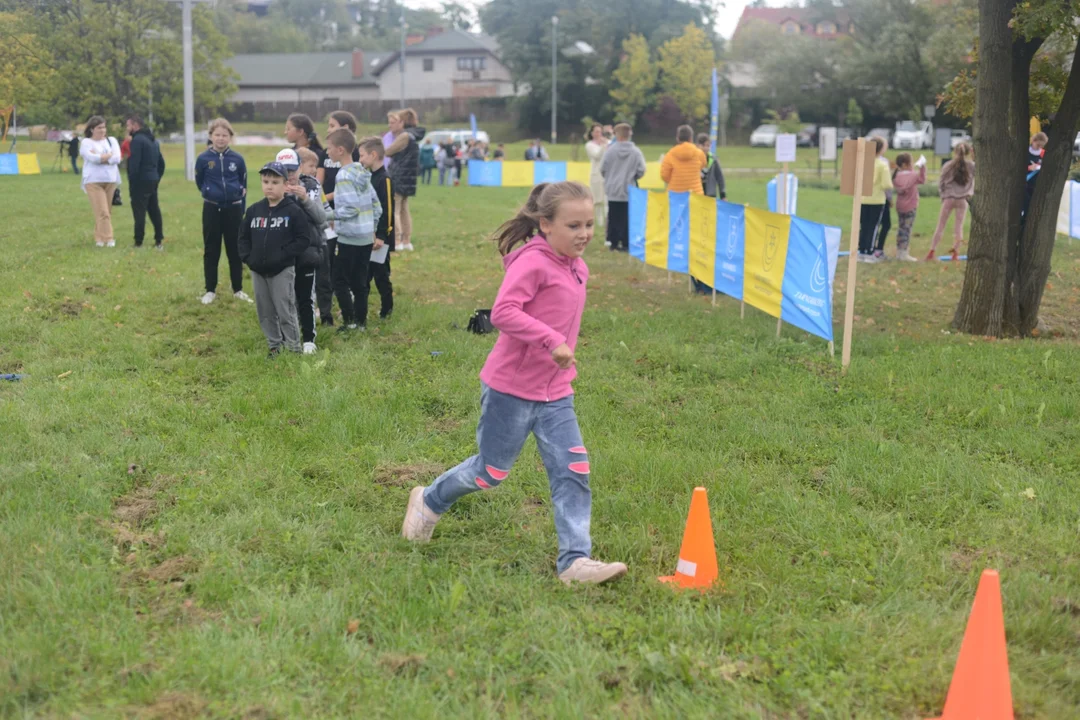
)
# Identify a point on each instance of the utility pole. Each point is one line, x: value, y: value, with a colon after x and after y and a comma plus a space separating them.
x: 554, y: 79
x: 189, y: 97
x: 402, y: 56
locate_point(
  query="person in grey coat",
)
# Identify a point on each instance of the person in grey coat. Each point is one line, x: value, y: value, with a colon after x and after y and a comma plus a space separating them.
x: 623, y: 166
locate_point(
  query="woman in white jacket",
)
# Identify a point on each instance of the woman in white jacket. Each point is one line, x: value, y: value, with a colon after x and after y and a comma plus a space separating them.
x: 100, y: 176
x: 594, y: 148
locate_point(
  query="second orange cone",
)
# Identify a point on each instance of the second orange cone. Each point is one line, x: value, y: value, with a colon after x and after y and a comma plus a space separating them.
x: 697, y: 556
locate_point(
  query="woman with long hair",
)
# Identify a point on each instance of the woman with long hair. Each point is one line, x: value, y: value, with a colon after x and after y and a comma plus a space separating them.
x: 405, y: 152
x: 594, y: 148
x: 956, y: 186
x: 100, y: 176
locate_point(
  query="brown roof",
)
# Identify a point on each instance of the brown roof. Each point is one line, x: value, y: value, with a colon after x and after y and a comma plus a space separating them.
x: 805, y: 17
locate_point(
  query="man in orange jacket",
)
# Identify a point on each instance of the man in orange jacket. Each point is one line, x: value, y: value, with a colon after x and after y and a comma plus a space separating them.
x: 682, y: 165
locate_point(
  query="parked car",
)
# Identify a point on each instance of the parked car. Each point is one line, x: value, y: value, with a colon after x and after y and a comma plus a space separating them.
x: 843, y: 134
x: 958, y: 136
x: 764, y: 136
x: 460, y: 137
x: 912, y: 135
x: 808, y: 136
x: 883, y: 133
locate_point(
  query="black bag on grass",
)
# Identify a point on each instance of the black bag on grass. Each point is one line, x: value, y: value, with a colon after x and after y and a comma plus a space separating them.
x: 480, y: 322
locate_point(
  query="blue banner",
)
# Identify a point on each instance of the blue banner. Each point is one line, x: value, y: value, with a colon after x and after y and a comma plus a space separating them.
x: 714, y: 114
x: 639, y: 207
x: 548, y: 172
x: 807, y: 295
x: 472, y: 124
x: 9, y: 164
x: 730, y: 248
x: 485, y: 174
x: 678, y: 257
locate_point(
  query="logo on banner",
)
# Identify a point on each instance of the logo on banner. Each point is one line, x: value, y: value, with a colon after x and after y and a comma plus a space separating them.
x: 818, y: 279
x: 732, y: 238
x: 772, y: 244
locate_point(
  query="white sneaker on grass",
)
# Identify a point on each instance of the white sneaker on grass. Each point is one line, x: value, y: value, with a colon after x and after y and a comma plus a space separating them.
x: 241, y: 295
x: 208, y: 298
x: 905, y: 256
x: 309, y: 348
x: 419, y: 520
x: 587, y: 570
x: 99, y: 243
x: 111, y: 243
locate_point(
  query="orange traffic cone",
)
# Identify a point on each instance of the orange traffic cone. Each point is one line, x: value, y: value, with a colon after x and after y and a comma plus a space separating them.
x: 697, y: 557
x: 980, y: 688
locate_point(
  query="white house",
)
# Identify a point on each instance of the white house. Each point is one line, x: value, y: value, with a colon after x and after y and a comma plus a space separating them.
x: 445, y: 66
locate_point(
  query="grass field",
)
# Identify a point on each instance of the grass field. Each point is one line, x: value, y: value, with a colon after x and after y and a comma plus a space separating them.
x: 190, y: 530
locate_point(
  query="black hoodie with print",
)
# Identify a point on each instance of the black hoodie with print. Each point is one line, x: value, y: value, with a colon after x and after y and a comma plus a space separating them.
x: 271, y: 238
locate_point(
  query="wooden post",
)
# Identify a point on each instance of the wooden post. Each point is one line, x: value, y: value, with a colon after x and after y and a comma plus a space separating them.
x: 742, y: 310
x: 714, y: 296
x: 690, y: 284
x: 782, y: 206
x: 853, y: 256
x: 779, y: 325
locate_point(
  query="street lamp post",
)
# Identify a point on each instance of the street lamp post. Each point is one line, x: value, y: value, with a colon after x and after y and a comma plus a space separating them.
x: 189, y: 96
x: 554, y: 78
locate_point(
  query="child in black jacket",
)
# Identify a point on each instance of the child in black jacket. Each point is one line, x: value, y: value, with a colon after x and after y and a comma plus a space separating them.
x: 371, y: 156
x: 275, y: 232
x: 221, y: 176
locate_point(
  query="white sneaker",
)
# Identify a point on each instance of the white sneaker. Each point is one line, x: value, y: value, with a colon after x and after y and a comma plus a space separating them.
x: 111, y: 243
x: 871, y: 259
x: 352, y: 326
x: 241, y: 295
x: 905, y: 256
x: 587, y: 570
x: 99, y: 243
x: 408, y: 248
x: 208, y: 298
x: 309, y: 348
x: 419, y: 520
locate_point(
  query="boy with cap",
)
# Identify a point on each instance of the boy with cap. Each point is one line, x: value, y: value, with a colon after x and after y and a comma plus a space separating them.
x: 356, y: 213
x: 275, y: 232
x: 305, y: 189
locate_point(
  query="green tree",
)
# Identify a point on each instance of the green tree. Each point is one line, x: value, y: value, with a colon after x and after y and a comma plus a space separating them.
x: 685, y: 65
x: 106, y: 57
x: 635, y: 79
x: 27, y: 79
x: 1009, y: 252
x: 854, y: 115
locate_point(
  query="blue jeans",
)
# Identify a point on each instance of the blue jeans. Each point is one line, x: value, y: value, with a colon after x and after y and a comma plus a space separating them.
x: 505, y: 424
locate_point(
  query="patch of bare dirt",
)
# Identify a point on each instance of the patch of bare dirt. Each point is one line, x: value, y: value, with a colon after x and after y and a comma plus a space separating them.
x: 175, y: 569
x: 143, y: 502
x: 173, y: 706
x: 400, y: 664
x: 407, y: 474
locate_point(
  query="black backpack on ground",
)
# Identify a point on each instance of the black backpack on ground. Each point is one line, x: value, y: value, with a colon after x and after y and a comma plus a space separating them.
x: 480, y: 322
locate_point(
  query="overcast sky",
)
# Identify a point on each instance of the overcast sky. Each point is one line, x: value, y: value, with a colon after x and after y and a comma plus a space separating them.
x: 727, y: 16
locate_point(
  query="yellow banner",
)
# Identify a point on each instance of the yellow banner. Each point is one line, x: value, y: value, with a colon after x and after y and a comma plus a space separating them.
x: 28, y: 164
x: 766, y: 255
x: 517, y: 174
x: 657, y: 229
x: 703, y: 237
x: 651, y: 179
x: 579, y: 172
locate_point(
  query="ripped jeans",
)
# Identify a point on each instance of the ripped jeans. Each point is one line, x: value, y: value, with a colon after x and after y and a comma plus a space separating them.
x: 505, y: 424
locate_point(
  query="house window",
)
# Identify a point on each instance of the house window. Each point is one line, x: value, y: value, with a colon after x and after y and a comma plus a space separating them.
x: 790, y: 28
x: 826, y: 28
x: 470, y: 63
x: 429, y: 64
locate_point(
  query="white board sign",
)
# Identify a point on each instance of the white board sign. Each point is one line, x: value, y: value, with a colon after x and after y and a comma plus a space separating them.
x: 827, y: 143
x: 785, y: 148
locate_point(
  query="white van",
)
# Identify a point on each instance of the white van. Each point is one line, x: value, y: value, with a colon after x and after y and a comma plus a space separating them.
x: 461, y: 137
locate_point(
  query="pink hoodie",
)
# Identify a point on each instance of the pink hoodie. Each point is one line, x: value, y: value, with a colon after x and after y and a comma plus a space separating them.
x: 537, y: 309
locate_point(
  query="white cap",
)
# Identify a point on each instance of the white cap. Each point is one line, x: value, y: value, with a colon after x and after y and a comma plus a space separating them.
x: 289, y: 159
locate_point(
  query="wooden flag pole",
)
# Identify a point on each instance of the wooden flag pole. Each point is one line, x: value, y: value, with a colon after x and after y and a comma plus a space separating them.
x: 853, y: 256
x: 783, y: 207
x: 714, y: 296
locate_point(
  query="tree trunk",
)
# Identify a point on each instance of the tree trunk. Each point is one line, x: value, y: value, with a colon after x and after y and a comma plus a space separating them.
x: 1040, y: 230
x: 1023, y: 52
x: 982, y: 298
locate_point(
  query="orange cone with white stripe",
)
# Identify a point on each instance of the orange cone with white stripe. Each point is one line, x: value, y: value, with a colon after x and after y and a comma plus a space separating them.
x: 980, y: 688
x: 697, y: 557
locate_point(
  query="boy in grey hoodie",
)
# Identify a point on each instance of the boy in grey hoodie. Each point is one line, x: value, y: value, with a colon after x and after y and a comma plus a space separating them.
x: 623, y: 166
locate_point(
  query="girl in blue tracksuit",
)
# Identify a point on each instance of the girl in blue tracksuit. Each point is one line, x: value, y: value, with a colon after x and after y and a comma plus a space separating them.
x: 221, y: 175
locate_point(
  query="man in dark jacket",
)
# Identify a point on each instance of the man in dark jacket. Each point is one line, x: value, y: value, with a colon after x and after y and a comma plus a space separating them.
x: 145, y: 168
x: 275, y: 232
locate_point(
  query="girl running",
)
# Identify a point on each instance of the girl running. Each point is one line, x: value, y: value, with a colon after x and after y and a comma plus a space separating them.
x: 526, y: 381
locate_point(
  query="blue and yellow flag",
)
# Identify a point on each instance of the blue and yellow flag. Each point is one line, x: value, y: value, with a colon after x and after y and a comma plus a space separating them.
x: 703, y: 238
x: 730, y: 248
x: 807, y: 302
x: 657, y: 230
x: 638, y: 209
